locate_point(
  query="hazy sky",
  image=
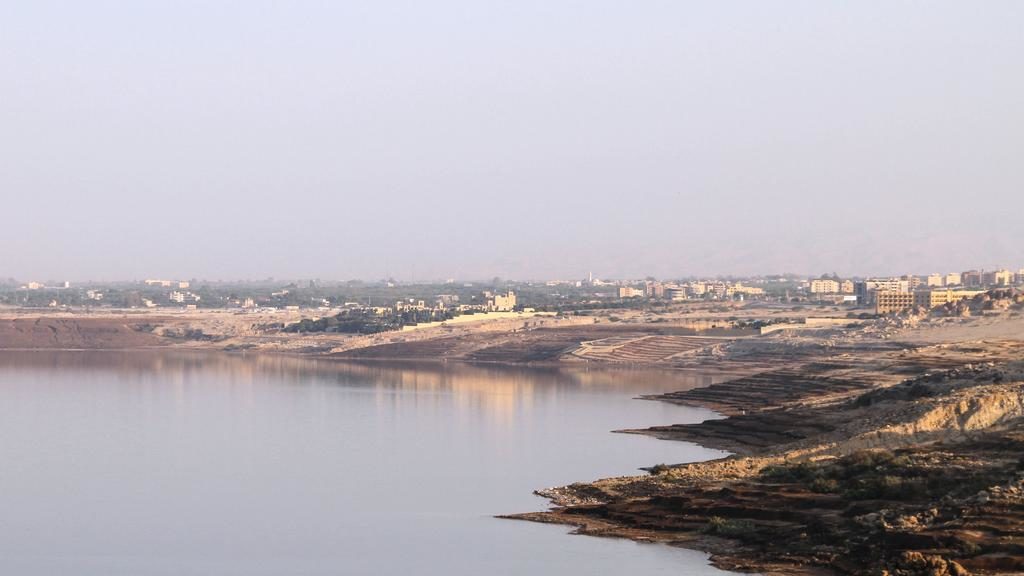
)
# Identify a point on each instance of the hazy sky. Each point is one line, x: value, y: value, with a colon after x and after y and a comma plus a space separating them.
x: 524, y: 139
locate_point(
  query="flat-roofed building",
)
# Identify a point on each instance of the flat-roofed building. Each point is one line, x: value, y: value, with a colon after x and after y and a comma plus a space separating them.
x: 891, y: 302
x: 914, y: 282
x: 675, y: 293
x: 936, y: 298
x: 953, y: 279
x: 654, y: 290
x: 630, y: 292
x: 505, y: 303
x: 867, y: 289
x: 998, y: 278
x: 936, y: 280
x: 824, y: 286
x: 739, y: 288
x: 888, y: 302
x: 972, y: 278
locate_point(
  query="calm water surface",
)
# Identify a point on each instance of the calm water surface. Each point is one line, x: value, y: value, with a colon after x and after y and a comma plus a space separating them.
x: 169, y: 463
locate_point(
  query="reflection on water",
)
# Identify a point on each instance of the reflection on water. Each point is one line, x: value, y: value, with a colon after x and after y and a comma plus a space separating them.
x: 194, y: 463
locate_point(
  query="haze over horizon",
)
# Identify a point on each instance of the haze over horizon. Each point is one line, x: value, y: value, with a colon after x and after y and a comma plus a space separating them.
x: 521, y: 139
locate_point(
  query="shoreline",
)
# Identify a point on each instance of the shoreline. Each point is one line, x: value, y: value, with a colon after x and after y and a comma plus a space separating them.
x: 800, y: 414
x: 704, y: 505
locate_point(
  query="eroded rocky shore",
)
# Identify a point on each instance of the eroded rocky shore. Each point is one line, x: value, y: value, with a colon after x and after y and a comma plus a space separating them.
x: 857, y: 458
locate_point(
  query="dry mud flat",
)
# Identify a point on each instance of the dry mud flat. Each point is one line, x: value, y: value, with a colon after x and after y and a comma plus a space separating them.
x: 66, y: 333
x: 889, y: 459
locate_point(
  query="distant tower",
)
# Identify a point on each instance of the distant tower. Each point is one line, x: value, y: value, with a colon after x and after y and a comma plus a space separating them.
x: 591, y: 277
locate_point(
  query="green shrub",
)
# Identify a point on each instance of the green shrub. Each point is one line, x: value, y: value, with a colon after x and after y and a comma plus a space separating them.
x: 825, y: 485
x: 728, y: 527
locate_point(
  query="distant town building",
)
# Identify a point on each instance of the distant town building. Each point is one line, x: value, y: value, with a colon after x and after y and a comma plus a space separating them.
x: 180, y: 297
x: 953, y: 279
x: 888, y: 302
x: 675, y: 293
x: 739, y: 289
x: 630, y: 292
x: 913, y: 282
x: 935, y: 298
x: 505, y: 303
x: 824, y: 286
x: 998, y: 278
x: 717, y: 289
x: 891, y: 302
x: 654, y: 290
x: 866, y: 290
x: 447, y: 300
x: 935, y: 280
x: 972, y: 279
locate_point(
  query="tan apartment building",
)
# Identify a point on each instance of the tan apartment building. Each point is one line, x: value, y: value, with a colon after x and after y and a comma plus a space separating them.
x: 630, y: 292
x: 914, y: 282
x: 739, y: 288
x: 972, y: 278
x: 655, y: 290
x: 504, y: 303
x: 998, y: 278
x: 890, y: 302
x: 953, y: 279
x: 935, y: 280
x: 866, y: 290
x: 936, y: 298
x: 824, y: 286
